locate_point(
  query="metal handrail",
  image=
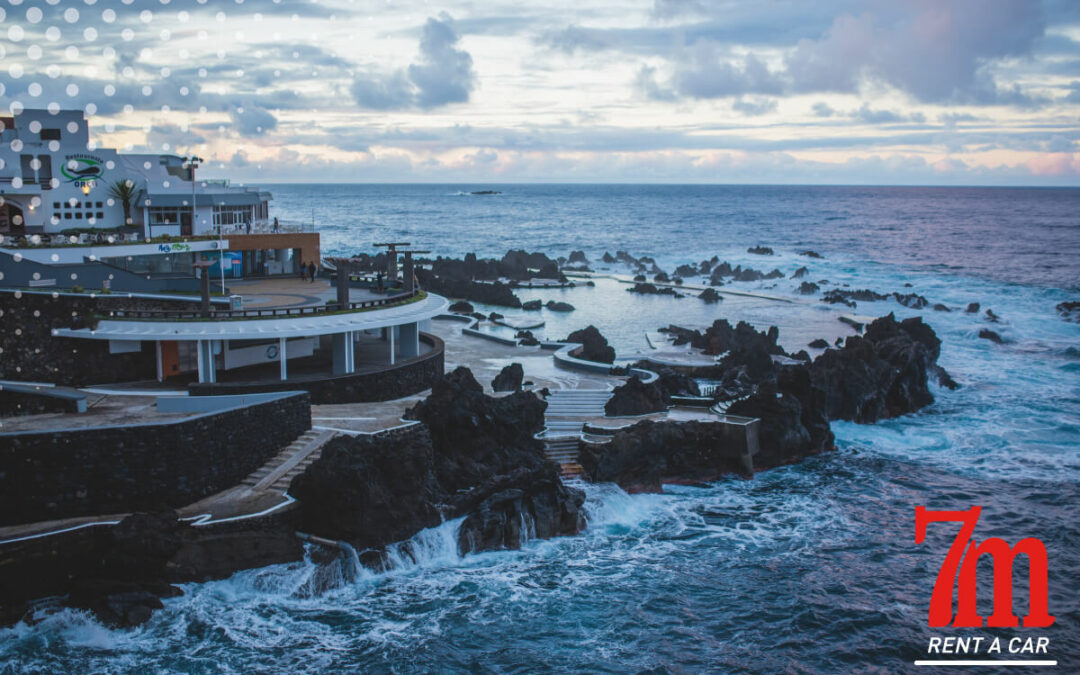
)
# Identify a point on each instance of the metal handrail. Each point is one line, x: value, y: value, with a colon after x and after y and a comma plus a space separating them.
x: 163, y: 314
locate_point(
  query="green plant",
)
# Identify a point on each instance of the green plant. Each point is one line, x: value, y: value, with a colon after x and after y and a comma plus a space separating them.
x: 76, y: 289
x: 124, y: 190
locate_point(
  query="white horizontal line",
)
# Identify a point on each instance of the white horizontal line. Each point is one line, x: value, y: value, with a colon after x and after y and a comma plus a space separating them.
x: 988, y: 662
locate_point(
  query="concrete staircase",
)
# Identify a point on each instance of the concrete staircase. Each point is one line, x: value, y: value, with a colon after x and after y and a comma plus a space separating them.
x: 278, y: 473
x: 563, y: 450
x: 563, y: 422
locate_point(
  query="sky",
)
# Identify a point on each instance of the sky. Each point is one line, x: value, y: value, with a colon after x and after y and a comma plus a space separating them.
x: 960, y: 92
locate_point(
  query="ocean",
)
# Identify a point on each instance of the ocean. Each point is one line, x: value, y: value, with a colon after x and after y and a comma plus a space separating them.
x: 804, y: 569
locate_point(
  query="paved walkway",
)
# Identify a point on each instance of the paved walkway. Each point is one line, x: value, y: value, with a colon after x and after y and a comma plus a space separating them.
x: 274, y: 292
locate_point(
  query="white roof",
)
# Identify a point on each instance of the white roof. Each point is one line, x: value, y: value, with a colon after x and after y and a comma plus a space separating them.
x: 254, y: 329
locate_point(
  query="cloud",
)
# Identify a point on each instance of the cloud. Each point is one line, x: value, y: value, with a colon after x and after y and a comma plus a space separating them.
x: 871, y: 116
x: 934, y: 51
x: 443, y: 74
x: 823, y: 109
x: 251, y: 120
x: 711, y: 74
x: 754, y: 107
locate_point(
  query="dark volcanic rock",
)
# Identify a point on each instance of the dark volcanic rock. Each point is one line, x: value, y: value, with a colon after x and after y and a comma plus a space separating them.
x: 578, y: 257
x: 990, y: 335
x: 462, y: 307
x: 661, y: 277
x: 710, y: 296
x: 819, y: 344
x: 674, y: 383
x: 686, y: 271
x: 495, y: 293
x: 532, y: 305
x: 760, y: 250
x: 808, y: 288
x: 881, y: 374
x: 636, y: 398
x: 991, y: 317
x: 649, y: 289
x: 800, y: 273
x: 911, y: 300
x: 972, y: 308
x: 810, y: 254
x: 509, y: 378
x: 838, y: 296
x: 642, y: 457
x: 1070, y: 311
x: 495, y: 316
x: 526, y: 338
x: 794, y: 423
x: 127, y: 581
x: 594, y: 345
x: 474, y: 455
x: 556, y: 306
x: 938, y: 307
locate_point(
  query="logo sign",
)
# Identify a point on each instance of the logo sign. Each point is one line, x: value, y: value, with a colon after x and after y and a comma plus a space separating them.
x: 173, y: 248
x: 959, y: 571
x: 82, y: 168
x: 272, y: 352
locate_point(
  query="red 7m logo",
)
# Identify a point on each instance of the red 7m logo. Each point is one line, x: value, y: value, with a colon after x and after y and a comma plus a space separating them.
x: 963, y: 557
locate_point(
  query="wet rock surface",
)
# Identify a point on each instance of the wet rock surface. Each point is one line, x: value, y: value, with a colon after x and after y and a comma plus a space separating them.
x: 883, y: 373
x: 644, y: 456
x: 1070, y: 311
x: 473, y: 455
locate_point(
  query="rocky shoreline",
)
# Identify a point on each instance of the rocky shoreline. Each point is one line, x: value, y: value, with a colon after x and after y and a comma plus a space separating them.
x: 478, y: 457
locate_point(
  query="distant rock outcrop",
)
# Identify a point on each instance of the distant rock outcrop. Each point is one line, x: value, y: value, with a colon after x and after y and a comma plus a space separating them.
x: 1070, y: 310
x: 594, y: 345
x: 881, y: 374
x: 636, y: 398
x: 509, y: 378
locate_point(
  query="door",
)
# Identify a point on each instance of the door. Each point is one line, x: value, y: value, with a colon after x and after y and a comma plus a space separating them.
x: 185, y: 224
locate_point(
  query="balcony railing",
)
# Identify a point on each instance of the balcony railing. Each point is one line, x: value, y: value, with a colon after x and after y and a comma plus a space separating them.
x: 270, y: 313
x: 267, y: 227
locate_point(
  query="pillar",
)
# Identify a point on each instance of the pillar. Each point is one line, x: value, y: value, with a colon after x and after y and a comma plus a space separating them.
x: 344, y: 356
x: 160, y: 366
x: 282, y: 358
x: 409, y: 273
x: 343, y: 270
x: 204, y: 354
x: 391, y: 265
x: 204, y: 285
x: 410, y: 340
x: 390, y: 330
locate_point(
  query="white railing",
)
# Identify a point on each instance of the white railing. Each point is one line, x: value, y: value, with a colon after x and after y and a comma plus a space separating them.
x: 268, y: 227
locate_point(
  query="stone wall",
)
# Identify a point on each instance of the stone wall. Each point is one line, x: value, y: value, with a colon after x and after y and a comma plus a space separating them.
x: 386, y: 384
x: 75, y: 472
x: 31, y: 353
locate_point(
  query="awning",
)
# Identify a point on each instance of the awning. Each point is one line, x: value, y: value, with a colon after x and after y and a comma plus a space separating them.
x: 203, y: 199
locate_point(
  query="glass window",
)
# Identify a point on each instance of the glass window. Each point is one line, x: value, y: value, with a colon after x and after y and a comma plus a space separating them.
x: 50, y: 134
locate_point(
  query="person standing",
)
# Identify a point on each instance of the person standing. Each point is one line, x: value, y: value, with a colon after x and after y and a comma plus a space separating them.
x: 312, y: 269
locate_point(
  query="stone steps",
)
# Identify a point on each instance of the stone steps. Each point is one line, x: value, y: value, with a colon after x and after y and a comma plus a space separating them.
x: 279, y: 471
x: 563, y: 425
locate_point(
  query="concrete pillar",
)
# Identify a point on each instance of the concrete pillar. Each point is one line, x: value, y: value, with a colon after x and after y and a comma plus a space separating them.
x: 390, y: 330
x: 343, y: 271
x: 160, y: 367
x: 409, y: 273
x: 204, y: 354
x: 281, y: 356
x: 410, y: 340
x: 344, y: 356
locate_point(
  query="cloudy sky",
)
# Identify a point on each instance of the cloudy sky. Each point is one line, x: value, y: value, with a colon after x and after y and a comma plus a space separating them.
x: 763, y: 91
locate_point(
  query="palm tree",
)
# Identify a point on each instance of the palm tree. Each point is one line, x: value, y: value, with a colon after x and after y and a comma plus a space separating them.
x: 124, y: 190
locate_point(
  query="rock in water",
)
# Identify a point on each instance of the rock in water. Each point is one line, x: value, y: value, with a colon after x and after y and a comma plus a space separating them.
x: 636, y: 398
x: 808, y: 288
x: 462, y: 307
x: 990, y: 335
x: 1070, y: 311
x: 532, y: 305
x: 800, y: 273
x: 509, y: 378
x: 578, y: 257
x: 474, y: 455
x: 760, y: 250
x: 594, y: 345
x: 555, y: 306
x: 710, y: 296
x: 881, y: 374
x: 643, y: 457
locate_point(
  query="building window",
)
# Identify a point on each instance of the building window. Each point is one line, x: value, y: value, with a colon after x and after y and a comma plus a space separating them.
x: 56, y: 205
x: 50, y: 134
x: 232, y: 215
x: 164, y: 215
x: 100, y: 215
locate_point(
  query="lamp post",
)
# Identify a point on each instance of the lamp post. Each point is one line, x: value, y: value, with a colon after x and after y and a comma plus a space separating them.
x: 193, y: 163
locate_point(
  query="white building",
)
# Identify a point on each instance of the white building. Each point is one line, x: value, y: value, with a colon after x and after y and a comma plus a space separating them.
x: 52, y: 180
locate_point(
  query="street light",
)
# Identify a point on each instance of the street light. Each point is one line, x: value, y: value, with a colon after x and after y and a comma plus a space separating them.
x: 191, y: 163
